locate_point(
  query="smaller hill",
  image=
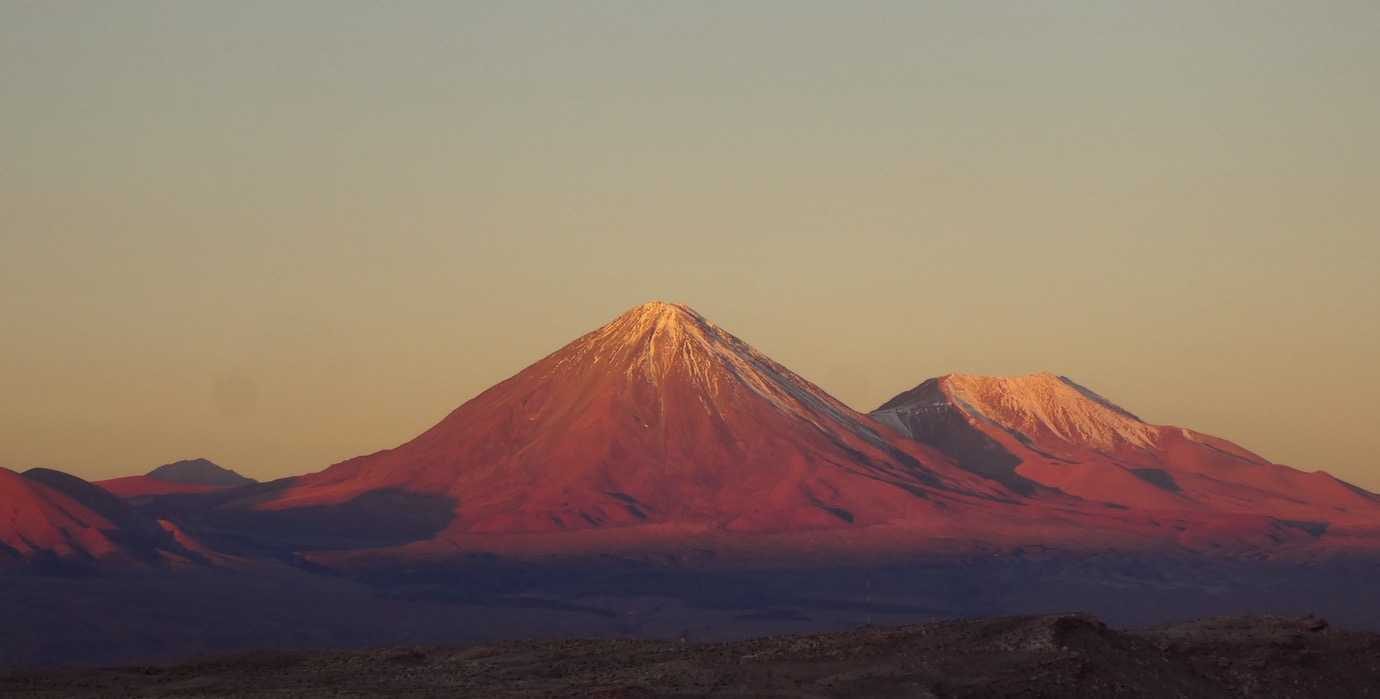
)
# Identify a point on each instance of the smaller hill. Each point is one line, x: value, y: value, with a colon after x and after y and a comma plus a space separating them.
x: 179, y: 477
x: 37, y: 520
x: 199, y: 472
x: 48, y: 517
x: 1043, y: 430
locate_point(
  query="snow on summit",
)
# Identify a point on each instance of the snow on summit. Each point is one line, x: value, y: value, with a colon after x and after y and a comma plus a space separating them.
x: 1047, y: 404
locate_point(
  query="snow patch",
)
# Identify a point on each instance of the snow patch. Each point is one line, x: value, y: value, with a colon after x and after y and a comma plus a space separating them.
x: 1045, y: 403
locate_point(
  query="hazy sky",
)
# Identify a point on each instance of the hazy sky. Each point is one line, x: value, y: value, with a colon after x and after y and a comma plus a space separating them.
x: 280, y: 234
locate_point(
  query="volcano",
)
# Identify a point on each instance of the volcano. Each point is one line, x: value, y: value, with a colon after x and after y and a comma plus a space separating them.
x: 1047, y: 430
x: 661, y: 431
x: 659, y: 418
x: 659, y: 475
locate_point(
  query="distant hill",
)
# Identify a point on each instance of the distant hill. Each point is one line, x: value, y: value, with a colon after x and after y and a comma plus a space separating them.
x: 50, y: 518
x: 180, y: 477
x: 199, y: 472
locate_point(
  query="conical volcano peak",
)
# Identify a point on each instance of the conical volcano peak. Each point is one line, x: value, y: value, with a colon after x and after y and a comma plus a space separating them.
x: 658, y: 308
x: 658, y: 416
x: 655, y: 315
x: 656, y: 335
x: 672, y: 349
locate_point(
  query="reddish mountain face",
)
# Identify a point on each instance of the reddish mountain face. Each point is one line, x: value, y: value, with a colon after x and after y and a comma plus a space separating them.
x: 36, y: 519
x: 659, y: 419
x: 1046, y: 431
x: 47, y: 515
x: 662, y: 432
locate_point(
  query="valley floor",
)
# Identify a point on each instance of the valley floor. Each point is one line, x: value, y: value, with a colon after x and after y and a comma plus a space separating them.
x: 1054, y: 655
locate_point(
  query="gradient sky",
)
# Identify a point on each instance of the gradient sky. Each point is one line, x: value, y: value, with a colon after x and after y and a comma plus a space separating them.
x: 280, y: 234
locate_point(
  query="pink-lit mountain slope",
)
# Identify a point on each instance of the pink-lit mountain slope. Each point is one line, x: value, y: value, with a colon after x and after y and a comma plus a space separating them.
x: 50, y: 516
x: 1046, y: 430
x: 658, y: 418
x: 661, y: 432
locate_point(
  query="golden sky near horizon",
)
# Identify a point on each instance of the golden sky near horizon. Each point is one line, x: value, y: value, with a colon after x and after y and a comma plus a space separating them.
x: 278, y: 235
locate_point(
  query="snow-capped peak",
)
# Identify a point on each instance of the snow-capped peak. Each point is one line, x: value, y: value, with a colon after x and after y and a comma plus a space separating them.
x: 1044, y: 403
x: 659, y: 341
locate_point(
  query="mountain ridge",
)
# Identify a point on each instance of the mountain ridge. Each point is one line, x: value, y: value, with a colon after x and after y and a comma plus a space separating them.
x: 179, y: 477
x: 659, y: 473
x: 1047, y: 430
x: 51, y: 518
x: 199, y: 471
x: 659, y: 431
x: 657, y: 416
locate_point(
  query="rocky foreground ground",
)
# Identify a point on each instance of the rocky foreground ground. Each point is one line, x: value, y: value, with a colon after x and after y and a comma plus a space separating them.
x: 1057, y: 656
